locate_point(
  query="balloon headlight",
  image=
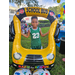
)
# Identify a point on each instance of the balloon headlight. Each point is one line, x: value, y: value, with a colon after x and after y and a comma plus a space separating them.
x: 17, y: 56
x: 50, y: 56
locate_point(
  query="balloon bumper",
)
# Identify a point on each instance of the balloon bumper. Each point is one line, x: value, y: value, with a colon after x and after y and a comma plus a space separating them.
x: 41, y: 72
x: 22, y: 72
x: 28, y: 72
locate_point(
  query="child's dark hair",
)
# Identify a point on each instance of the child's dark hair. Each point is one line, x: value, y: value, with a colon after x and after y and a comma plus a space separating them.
x: 34, y: 17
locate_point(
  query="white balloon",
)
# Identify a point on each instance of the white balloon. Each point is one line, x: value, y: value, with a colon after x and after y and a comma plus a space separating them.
x: 41, y: 72
x: 22, y: 72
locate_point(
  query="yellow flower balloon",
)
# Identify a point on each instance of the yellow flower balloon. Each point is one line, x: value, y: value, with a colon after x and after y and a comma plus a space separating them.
x: 61, y: 17
x: 61, y: 13
x: 62, y: 9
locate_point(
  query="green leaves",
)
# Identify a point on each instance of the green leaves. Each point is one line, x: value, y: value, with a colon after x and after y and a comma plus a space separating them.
x: 30, y: 3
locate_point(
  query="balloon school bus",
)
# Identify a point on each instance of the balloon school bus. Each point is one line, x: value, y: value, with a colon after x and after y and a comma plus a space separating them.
x: 34, y: 58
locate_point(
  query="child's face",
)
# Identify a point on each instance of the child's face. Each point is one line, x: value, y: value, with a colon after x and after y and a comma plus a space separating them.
x: 34, y: 23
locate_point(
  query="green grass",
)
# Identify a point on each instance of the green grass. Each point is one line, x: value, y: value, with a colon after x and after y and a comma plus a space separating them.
x: 58, y: 69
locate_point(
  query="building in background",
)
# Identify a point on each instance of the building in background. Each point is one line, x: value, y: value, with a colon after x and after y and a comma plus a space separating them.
x: 12, y: 11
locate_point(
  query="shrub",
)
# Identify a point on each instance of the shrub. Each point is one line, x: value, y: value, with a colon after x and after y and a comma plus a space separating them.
x: 42, y: 23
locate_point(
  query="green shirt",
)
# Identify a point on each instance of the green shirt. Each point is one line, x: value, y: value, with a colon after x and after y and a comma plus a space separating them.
x: 35, y: 38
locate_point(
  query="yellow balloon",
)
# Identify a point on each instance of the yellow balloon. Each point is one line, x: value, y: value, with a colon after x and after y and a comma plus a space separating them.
x: 61, y: 17
x: 61, y: 13
x: 58, y: 1
x: 62, y: 9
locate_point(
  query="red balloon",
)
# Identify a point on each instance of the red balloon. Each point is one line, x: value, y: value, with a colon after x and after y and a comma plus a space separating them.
x: 64, y: 11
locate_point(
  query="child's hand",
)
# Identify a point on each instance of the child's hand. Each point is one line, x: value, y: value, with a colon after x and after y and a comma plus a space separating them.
x: 43, y: 34
x: 26, y: 35
x: 48, y: 32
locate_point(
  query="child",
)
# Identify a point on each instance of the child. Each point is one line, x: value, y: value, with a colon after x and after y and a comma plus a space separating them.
x: 35, y: 34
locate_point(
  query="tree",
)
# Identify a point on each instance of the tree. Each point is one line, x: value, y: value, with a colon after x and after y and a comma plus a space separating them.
x: 18, y: 2
x: 42, y: 6
x: 30, y: 3
x: 55, y: 9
